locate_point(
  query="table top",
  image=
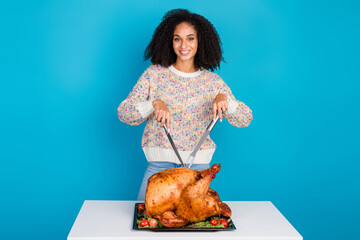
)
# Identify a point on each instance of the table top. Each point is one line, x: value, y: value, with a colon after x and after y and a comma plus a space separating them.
x: 255, y: 220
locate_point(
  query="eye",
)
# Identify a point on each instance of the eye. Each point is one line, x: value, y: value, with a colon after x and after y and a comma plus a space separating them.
x: 191, y: 39
x: 176, y: 39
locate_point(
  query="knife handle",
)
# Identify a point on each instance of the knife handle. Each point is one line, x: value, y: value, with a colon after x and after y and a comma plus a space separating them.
x: 212, y: 124
x: 166, y: 131
x: 173, y: 146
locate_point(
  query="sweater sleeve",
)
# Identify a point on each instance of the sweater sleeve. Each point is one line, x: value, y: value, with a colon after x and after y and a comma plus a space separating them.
x: 238, y: 113
x: 137, y: 106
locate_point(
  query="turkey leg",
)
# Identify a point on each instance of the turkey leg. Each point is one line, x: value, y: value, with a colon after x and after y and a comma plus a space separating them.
x: 199, y: 188
x: 195, y: 205
x: 169, y: 219
x: 215, y: 168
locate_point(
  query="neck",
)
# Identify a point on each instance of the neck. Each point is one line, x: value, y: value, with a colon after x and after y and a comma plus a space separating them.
x: 185, y: 66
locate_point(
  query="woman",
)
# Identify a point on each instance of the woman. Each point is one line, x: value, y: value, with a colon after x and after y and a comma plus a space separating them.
x: 180, y: 90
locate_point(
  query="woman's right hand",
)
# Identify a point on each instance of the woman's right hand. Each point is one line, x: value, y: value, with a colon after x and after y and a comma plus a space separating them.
x: 162, y: 113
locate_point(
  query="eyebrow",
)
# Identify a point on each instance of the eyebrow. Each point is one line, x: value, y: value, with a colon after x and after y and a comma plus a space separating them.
x: 176, y: 35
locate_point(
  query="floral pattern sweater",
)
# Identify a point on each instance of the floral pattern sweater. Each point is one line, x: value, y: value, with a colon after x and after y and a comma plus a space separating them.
x: 189, y: 98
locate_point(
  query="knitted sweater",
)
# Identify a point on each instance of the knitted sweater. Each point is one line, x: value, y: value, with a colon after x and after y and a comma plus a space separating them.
x: 189, y: 97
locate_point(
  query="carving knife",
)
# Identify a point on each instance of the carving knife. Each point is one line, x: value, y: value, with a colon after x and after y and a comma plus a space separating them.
x: 192, y: 155
x: 173, y: 146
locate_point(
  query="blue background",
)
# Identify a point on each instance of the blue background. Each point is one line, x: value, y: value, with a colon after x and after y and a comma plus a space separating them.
x: 66, y: 65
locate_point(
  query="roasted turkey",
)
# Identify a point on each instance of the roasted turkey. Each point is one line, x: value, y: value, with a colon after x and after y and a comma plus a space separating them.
x: 178, y: 196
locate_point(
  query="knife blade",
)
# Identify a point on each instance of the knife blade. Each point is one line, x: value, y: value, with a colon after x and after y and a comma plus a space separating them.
x: 173, y: 146
x: 192, y: 155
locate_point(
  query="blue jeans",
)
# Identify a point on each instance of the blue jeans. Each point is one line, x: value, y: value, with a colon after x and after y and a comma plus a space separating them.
x: 155, y: 167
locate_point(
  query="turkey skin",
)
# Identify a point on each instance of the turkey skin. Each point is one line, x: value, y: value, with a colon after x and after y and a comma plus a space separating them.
x: 178, y: 196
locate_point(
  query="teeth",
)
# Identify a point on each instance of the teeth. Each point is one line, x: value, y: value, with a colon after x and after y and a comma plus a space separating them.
x: 184, y: 51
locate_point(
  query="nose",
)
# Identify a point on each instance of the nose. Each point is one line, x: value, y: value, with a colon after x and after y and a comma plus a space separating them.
x: 184, y: 44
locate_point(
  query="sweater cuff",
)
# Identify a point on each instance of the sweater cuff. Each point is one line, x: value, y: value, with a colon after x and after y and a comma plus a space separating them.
x: 232, y: 105
x: 145, y: 108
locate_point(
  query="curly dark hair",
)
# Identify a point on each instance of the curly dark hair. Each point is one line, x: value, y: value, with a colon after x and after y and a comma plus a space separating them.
x: 160, y: 49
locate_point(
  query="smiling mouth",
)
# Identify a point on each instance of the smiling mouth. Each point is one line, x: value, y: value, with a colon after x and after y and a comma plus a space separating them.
x: 184, y: 52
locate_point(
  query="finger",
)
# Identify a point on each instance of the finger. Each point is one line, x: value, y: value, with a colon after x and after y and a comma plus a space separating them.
x: 214, y: 110
x: 168, y: 121
x: 220, y: 114
x: 163, y: 119
x: 223, y: 107
x: 160, y: 116
x: 220, y: 105
x: 156, y: 115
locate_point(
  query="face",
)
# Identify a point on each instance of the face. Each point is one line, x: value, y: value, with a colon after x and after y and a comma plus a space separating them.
x: 185, y: 42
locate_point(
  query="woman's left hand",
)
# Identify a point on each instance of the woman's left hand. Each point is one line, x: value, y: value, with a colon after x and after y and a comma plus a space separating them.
x: 220, y: 105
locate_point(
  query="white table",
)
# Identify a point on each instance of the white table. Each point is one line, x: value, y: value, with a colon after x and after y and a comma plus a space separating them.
x: 113, y: 220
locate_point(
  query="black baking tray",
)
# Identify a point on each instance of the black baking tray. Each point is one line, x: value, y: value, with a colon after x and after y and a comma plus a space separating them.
x: 181, y: 229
